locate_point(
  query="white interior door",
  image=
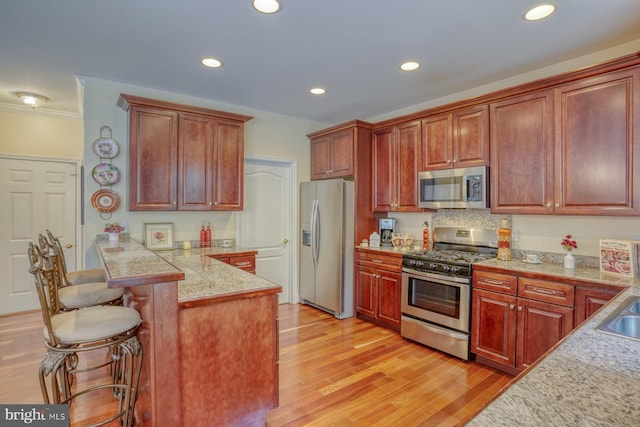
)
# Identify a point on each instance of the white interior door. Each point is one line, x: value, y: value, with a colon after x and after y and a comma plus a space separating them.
x: 266, y: 223
x: 35, y: 195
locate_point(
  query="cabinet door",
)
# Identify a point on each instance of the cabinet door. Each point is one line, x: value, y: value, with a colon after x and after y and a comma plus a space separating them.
x: 366, y: 291
x: 408, y: 165
x: 540, y: 326
x: 384, y: 180
x: 389, y: 297
x: 588, y: 301
x: 437, y: 142
x: 493, y: 328
x: 228, y: 165
x: 522, y: 154
x: 153, y: 135
x: 471, y: 136
x: 195, y: 160
x: 342, y: 153
x: 320, y: 157
x: 597, y: 153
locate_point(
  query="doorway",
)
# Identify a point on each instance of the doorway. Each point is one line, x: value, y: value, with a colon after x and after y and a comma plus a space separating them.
x: 267, y: 223
x: 35, y: 195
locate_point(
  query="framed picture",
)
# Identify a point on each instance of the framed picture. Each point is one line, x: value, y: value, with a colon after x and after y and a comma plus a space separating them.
x: 619, y: 257
x: 158, y: 235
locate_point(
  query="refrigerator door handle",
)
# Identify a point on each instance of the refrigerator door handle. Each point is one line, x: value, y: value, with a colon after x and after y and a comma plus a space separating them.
x: 314, y: 233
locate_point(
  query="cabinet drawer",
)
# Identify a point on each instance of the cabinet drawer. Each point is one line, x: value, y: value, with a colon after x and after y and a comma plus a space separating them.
x: 388, y: 263
x: 543, y: 290
x: 497, y: 282
x: 244, y: 262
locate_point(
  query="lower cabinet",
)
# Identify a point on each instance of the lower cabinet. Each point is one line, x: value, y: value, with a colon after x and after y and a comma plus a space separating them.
x: 245, y: 261
x: 589, y: 300
x: 512, y: 328
x: 378, y: 279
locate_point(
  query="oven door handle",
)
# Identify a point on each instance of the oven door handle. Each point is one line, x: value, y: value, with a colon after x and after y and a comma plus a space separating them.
x: 450, y: 280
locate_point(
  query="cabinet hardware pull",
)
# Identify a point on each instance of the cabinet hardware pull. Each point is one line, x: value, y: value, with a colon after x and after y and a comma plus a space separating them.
x: 512, y: 306
x: 557, y: 205
x: 543, y: 291
x: 519, y: 308
x: 68, y: 246
x: 548, y: 205
x: 244, y: 263
x: 493, y: 282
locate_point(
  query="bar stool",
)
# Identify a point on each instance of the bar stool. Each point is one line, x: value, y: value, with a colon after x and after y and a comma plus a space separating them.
x: 70, y: 296
x: 68, y: 333
x: 77, y: 277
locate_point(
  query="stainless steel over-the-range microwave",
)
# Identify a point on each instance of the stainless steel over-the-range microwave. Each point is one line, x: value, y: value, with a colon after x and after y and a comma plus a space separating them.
x: 454, y: 188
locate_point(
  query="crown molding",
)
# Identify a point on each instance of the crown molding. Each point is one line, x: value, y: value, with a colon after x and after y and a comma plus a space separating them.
x: 14, y: 108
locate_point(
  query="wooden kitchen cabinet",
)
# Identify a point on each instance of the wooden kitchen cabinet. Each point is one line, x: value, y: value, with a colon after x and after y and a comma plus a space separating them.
x: 396, y: 163
x: 569, y: 150
x: 183, y: 157
x: 456, y: 139
x: 512, y: 328
x: 597, y: 145
x: 332, y: 155
x: 243, y: 260
x: 522, y: 154
x: 589, y: 300
x: 378, y: 279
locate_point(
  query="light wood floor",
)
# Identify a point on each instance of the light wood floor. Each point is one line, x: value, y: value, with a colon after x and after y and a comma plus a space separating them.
x: 332, y: 373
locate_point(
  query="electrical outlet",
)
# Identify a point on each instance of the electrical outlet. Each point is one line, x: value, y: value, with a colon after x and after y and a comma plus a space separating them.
x: 515, y: 236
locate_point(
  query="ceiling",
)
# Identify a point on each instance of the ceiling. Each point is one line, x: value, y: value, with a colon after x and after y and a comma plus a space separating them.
x: 350, y: 47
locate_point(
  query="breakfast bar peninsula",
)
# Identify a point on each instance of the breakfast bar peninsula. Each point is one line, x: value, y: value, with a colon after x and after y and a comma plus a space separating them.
x: 209, y: 332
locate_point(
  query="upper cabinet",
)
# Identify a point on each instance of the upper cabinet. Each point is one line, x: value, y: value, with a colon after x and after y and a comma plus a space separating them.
x: 332, y: 155
x: 396, y: 163
x: 456, y: 139
x: 597, y: 145
x: 183, y: 157
x: 522, y: 154
x: 572, y: 149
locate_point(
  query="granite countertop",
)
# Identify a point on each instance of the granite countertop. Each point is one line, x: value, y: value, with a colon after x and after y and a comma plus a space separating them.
x: 206, y: 277
x: 587, y: 274
x: 198, y: 274
x: 589, y: 379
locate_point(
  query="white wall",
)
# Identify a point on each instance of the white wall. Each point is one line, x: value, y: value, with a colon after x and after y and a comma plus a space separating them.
x: 267, y: 135
x: 38, y: 133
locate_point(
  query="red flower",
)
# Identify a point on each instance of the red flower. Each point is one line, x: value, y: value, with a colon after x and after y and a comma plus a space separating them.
x: 569, y: 244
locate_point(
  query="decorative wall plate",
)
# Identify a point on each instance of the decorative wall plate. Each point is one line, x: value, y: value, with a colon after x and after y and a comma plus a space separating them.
x: 105, y: 174
x: 105, y: 201
x: 106, y: 147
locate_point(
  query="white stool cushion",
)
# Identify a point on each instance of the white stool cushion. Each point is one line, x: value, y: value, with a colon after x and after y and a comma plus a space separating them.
x: 88, y: 294
x: 93, y: 323
x: 86, y: 276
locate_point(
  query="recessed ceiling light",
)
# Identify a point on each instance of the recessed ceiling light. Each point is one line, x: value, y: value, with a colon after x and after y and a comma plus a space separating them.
x: 266, y: 6
x: 318, y: 91
x: 539, y: 12
x: 212, y: 62
x: 409, y: 66
x: 32, y: 99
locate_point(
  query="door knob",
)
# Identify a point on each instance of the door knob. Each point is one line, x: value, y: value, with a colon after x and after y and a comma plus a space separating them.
x: 285, y: 241
x: 68, y: 245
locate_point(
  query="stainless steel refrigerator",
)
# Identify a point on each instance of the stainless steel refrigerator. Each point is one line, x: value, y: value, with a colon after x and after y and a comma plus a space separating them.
x: 326, y: 246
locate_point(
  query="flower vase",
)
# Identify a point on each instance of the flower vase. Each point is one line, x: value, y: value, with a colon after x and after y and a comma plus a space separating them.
x: 569, y: 260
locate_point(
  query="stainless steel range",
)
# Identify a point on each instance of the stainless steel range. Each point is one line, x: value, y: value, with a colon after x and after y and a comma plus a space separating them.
x: 436, y: 288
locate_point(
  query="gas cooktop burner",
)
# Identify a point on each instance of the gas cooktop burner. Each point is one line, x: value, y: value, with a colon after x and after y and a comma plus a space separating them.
x: 448, y: 256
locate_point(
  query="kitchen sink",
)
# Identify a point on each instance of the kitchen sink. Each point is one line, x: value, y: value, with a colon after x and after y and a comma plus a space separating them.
x: 624, y: 321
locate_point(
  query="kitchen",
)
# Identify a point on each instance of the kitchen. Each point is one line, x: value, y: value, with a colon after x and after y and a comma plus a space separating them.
x: 272, y: 135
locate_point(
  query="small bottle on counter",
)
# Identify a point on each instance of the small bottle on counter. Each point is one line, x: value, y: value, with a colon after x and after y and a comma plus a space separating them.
x: 208, y: 235
x: 203, y: 236
x: 425, y: 236
x: 504, y: 240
